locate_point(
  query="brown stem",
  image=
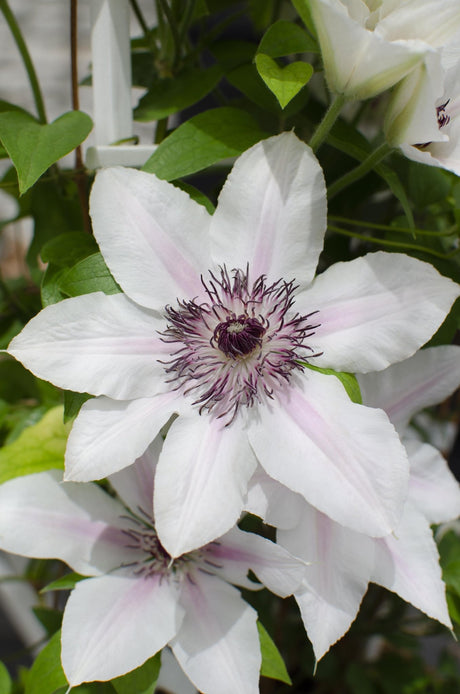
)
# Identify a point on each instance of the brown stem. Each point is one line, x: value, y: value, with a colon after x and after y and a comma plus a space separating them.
x: 80, y: 177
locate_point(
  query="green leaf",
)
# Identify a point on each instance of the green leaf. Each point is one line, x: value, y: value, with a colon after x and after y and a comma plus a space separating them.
x: 6, y: 683
x: 203, y: 140
x: 66, y: 249
x: 73, y: 403
x: 347, y: 139
x: 196, y: 195
x: 66, y: 582
x: 285, y: 82
x: 89, y: 275
x: 33, y: 147
x: 46, y: 674
x: 302, y: 7
x: 169, y: 96
x: 140, y: 681
x: 284, y: 38
x: 50, y: 618
x: 272, y: 661
x: 427, y: 185
x: 451, y: 575
x: 349, y: 381
x: 39, y: 447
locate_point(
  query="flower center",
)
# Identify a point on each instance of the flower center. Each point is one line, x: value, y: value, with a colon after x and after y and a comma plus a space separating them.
x: 151, y: 558
x: 239, y: 336
x: 239, y: 346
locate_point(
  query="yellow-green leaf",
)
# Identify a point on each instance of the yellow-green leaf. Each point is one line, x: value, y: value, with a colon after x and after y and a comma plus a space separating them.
x: 285, y: 82
x: 39, y: 447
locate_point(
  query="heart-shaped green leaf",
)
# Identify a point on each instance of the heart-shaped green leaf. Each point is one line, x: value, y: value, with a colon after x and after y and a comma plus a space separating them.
x: 284, y: 82
x: 33, y: 147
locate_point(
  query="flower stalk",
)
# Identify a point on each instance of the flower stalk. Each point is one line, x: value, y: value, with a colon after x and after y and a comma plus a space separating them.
x: 27, y: 60
x: 355, y: 174
x: 327, y: 122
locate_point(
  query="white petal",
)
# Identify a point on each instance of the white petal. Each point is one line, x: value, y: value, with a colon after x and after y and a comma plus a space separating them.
x: 345, y: 459
x: 411, y: 116
x: 375, y: 310
x: 273, y: 502
x: 217, y: 645
x: 408, y: 564
x: 134, y: 484
x: 443, y: 154
x: 336, y: 579
x: 404, y: 389
x: 112, y: 624
x: 429, y: 20
x: 42, y: 517
x: 272, y: 212
x: 108, y: 435
x: 104, y: 345
x: 201, y: 481
x: 359, y: 63
x: 433, y: 489
x: 153, y: 237
x: 237, y: 552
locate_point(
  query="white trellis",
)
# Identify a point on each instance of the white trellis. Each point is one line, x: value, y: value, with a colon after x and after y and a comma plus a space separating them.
x: 111, y: 74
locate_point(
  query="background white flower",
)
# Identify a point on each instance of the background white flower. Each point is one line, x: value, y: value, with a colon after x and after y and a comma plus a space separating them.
x: 368, y: 47
x: 343, y: 562
x: 138, y: 598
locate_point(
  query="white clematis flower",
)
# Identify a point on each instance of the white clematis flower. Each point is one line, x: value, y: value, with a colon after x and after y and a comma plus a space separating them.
x: 423, y: 117
x: 369, y: 45
x: 342, y: 562
x: 219, y: 313
x: 139, y: 599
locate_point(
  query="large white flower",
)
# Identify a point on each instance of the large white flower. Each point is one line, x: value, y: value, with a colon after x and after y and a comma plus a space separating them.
x: 369, y: 45
x: 139, y: 599
x: 343, y: 561
x: 219, y: 313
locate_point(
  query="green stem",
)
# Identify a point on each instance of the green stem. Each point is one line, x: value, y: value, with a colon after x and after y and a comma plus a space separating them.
x: 386, y: 227
x: 355, y: 174
x: 328, y: 121
x: 161, y: 130
x: 173, y: 28
x: 393, y: 244
x: 140, y: 18
x: 27, y: 60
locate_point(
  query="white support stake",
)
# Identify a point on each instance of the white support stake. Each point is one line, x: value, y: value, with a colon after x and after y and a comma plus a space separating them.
x: 111, y: 74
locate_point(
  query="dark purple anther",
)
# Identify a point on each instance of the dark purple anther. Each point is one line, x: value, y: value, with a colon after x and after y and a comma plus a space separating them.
x: 238, y: 336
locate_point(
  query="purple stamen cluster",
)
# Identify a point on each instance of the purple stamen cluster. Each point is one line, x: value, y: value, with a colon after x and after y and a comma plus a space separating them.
x: 240, y: 345
x: 442, y: 115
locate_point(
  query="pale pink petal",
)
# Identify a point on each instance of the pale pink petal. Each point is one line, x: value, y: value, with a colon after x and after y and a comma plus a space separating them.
x: 153, y: 237
x: 201, y: 481
x: 345, y: 459
x: 375, y: 310
x: 336, y: 579
x: 112, y: 624
x: 217, y: 645
x: 237, y: 552
x: 99, y: 344
x: 433, y: 489
x: 108, y: 435
x: 404, y: 389
x: 408, y: 564
x: 134, y: 484
x: 273, y: 502
x: 272, y: 212
x: 42, y: 517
